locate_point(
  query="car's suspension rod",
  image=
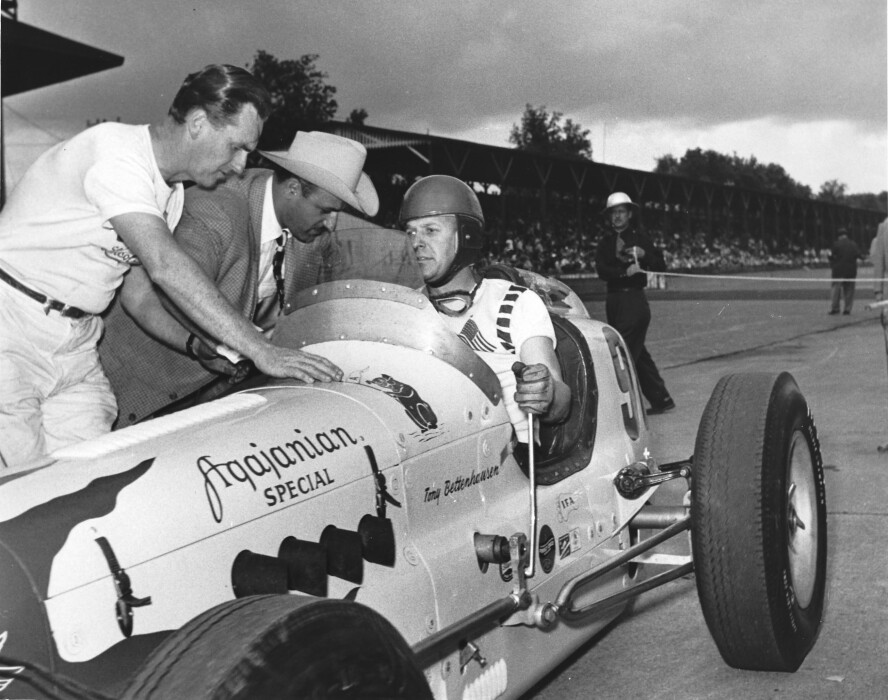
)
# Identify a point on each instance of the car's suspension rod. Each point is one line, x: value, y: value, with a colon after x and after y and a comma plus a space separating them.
x: 443, y: 642
x: 573, y: 614
x: 563, y: 604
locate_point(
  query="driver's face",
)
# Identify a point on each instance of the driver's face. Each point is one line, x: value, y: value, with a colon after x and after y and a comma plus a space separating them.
x: 435, y: 242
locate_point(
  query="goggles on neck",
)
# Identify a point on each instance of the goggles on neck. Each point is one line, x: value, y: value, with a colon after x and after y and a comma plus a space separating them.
x: 453, y: 303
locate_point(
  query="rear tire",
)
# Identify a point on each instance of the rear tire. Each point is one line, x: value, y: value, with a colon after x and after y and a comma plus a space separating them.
x: 758, y: 508
x: 278, y: 647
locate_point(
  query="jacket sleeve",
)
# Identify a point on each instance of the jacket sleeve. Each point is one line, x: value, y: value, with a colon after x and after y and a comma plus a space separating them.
x: 653, y: 257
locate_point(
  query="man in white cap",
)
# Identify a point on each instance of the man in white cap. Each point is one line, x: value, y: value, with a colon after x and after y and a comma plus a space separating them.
x: 624, y: 254
x: 262, y: 238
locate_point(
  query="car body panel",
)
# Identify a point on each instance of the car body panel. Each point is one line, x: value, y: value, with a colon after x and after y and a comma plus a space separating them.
x: 178, y: 498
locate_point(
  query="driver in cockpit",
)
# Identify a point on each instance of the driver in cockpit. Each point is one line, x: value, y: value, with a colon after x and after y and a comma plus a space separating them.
x: 503, y: 322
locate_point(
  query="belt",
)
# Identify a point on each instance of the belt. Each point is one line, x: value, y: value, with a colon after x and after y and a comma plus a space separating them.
x: 48, y: 304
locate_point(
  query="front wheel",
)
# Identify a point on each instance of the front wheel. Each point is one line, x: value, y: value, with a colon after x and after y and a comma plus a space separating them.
x: 759, y: 522
x: 280, y: 647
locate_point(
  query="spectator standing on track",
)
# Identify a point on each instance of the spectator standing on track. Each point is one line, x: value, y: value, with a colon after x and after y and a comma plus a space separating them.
x: 87, y: 210
x: 623, y: 255
x: 879, y: 258
x: 843, y: 259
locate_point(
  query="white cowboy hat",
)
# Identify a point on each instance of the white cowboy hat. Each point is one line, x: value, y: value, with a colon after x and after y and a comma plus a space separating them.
x: 333, y: 163
x: 617, y: 199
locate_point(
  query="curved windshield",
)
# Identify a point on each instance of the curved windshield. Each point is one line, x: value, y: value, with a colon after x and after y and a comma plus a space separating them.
x: 367, y: 252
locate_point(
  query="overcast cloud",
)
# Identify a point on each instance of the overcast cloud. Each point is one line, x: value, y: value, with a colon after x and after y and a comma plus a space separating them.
x: 802, y: 84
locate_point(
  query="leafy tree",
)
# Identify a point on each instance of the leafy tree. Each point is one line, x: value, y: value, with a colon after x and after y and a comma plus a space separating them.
x: 301, y: 97
x: 542, y: 132
x: 357, y: 117
x: 832, y: 191
x: 722, y: 169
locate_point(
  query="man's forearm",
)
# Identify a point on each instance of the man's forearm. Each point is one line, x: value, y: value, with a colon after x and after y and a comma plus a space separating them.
x: 142, y: 303
x: 204, y: 304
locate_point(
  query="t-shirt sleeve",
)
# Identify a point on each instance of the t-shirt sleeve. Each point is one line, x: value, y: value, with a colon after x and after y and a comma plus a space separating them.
x: 530, y: 319
x: 121, y: 185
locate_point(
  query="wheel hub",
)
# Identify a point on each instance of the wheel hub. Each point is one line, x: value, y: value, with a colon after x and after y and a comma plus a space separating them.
x: 801, y: 509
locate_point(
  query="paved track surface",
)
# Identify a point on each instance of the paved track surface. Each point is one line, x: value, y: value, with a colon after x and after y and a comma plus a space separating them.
x: 662, y: 650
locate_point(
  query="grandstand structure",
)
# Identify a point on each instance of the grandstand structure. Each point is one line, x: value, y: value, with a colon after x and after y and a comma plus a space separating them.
x: 523, y: 183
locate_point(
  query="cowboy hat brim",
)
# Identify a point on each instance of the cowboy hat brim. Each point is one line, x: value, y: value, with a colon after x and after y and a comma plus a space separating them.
x: 364, y: 198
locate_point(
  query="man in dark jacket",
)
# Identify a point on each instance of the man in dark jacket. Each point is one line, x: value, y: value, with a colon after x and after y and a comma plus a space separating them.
x: 624, y: 254
x: 843, y: 261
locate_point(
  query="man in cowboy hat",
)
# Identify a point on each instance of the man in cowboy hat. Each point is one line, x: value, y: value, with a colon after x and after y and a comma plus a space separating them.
x: 261, y: 238
x: 624, y: 254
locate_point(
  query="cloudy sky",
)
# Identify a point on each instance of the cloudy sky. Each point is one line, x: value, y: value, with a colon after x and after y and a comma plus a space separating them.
x: 801, y: 83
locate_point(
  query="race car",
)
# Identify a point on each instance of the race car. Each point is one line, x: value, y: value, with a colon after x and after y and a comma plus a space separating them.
x: 378, y: 537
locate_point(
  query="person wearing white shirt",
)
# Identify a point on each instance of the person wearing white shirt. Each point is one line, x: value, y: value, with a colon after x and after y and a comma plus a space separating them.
x: 89, y: 210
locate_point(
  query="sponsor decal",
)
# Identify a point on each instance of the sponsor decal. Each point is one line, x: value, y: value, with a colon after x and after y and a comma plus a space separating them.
x: 6, y: 671
x: 433, y: 494
x: 569, y: 543
x: 274, y: 462
x: 547, y: 548
x: 567, y: 503
x: 120, y: 253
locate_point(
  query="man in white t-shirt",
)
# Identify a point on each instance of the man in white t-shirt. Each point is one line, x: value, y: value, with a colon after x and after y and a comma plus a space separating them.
x: 501, y: 321
x: 85, y: 212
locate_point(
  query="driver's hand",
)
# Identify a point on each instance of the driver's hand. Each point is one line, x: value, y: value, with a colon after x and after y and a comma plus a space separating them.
x: 535, y: 389
x: 295, y: 364
x: 633, y: 269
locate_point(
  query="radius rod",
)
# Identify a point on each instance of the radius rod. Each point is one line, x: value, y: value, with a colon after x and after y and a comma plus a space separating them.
x: 564, y: 603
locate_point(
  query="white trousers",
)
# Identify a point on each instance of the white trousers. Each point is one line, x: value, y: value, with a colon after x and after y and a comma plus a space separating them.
x: 53, y: 391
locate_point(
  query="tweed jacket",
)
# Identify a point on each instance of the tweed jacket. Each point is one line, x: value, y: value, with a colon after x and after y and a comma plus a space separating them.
x: 221, y: 230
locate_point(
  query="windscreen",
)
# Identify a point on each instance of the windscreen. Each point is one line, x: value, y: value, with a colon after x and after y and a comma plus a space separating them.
x: 364, y: 251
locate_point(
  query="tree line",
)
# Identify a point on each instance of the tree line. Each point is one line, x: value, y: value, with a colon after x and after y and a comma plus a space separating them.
x: 303, y: 100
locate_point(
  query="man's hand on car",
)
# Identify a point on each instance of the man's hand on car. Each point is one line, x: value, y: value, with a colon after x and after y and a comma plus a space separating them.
x: 283, y: 362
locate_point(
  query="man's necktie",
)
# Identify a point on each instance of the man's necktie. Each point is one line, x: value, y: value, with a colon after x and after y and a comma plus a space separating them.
x: 277, y: 264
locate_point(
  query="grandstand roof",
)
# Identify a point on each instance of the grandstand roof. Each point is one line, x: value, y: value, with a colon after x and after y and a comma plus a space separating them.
x: 414, y: 155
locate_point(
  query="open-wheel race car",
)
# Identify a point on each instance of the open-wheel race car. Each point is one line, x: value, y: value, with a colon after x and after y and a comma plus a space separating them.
x: 377, y: 537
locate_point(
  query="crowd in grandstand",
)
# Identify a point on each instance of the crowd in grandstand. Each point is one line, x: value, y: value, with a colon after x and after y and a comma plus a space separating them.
x: 571, y: 249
